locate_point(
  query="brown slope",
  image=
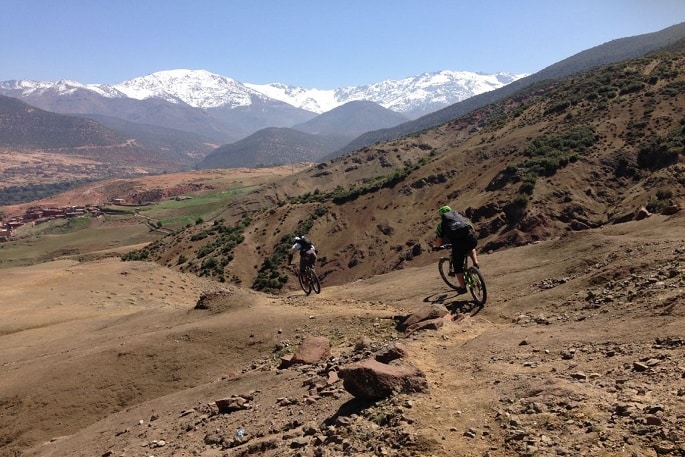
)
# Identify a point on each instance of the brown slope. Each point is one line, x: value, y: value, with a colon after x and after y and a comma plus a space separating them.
x: 368, y: 209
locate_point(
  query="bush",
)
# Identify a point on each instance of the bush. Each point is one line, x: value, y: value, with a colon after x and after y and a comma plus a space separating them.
x: 659, y: 153
x: 140, y: 254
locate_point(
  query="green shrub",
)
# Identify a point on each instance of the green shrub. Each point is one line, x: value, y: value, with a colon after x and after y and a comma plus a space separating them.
x: 140, y: 254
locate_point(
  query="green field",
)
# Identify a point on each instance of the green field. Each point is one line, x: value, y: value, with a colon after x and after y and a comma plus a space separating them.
x: 119, y: 230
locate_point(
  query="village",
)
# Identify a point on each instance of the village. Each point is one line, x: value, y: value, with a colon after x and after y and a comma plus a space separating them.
x: 39, y: 214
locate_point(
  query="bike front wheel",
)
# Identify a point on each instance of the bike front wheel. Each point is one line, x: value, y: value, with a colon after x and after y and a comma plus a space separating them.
x: 476, y: 284
x: 447, y: 272
x: 314, y: 280
x: 305, y: 283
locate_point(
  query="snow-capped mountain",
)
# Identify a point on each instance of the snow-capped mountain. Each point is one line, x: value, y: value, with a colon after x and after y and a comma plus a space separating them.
x: 222, y: 110
x: 412, y: 96
x: 197, y: 88
x: 27, y: 88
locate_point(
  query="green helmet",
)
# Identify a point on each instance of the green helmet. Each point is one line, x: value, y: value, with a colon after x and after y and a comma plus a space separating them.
x: 443, y: 210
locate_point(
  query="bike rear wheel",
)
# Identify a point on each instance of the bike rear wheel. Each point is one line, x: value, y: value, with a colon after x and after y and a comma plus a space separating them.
x: 445, y: 267
x: 476, y: 284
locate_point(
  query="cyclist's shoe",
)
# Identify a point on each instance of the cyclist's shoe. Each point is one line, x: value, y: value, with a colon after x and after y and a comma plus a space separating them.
x: 461, y: 290
x: 477, y: 265
x: 451, y: 273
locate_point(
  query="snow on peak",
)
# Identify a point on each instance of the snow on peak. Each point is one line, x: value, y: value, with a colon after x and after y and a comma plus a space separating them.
x: 403, y: 95
x: 197, y: 88
x: 414, y: 95
x: 62, y: 87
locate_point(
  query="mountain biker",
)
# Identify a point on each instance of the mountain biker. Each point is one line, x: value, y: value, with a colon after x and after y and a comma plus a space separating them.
x: 307, y: 252
x: 463, y: 240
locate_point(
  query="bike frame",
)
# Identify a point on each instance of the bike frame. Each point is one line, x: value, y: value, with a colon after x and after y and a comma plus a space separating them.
x: 473, y: 279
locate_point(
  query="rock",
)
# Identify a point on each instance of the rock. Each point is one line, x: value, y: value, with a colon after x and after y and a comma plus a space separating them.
x: 213, y: 438
x: 428, y: 312
x: 671, y: 209
x: 373, y: 380
x: 393, y: 352
x: 286, y: 361
x: 640, y: 367
x: 312, y: 350
x: 363, y: 343
x: 234, y: 403
x: 432, y: 324
x: 642, y: 213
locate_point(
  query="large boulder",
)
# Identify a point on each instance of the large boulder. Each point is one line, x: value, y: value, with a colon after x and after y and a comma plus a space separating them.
x: 373, y: 380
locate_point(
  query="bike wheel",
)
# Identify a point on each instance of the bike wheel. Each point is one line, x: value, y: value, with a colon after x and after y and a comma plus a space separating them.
x: 476, y: 284
x: 305, y: 283
x: 445, y: 268
x: 314, y: 281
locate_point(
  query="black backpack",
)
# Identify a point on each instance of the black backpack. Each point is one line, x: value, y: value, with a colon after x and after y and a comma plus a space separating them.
x: 455, y: 226
x: 305, y: 243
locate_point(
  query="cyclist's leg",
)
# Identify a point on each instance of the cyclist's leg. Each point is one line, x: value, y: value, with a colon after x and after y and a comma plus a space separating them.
x: 303, y: 262
x: 472, y: 242
x: 474, y: 257
x: 458, y: 255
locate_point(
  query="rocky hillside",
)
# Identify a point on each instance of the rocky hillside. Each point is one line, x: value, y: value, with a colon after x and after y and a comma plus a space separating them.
x: 561, y: 156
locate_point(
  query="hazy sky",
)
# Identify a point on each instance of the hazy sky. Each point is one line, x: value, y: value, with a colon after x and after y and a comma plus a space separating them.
x: 321, y: 44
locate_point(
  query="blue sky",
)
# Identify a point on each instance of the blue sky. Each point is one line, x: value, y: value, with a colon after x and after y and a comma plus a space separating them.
x: 321, y: 44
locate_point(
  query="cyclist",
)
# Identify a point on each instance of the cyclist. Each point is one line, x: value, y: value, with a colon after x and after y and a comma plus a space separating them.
x: 458, y: 231
x: 307, y: 252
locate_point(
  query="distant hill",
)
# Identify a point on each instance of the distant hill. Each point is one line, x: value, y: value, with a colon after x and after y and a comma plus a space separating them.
x: 310, y: 141
x: 352, y: 119
x: 185, y: 146
x: 24, y: 126
x: 271, y: 146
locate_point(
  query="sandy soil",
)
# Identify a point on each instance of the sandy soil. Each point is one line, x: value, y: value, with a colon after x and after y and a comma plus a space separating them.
x: 579, y: 351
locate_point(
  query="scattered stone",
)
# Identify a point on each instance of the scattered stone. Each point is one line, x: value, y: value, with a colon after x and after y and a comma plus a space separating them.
x: 394, y: 351
x: 234, y: 403
x: 640, y: 367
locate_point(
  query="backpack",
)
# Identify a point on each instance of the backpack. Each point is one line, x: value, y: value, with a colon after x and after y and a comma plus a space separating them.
x: 455, y: 226
x: 305, y: 243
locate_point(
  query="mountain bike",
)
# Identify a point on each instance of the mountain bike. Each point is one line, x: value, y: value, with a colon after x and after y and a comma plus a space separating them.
x: 473, y: 278
x: 308, y: 279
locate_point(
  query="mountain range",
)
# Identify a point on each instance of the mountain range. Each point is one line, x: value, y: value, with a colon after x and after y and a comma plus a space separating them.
x: 216, y: 110
x: 190, y: 115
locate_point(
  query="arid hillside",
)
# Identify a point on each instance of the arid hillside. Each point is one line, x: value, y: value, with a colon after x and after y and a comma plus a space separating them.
x: 567, y: 155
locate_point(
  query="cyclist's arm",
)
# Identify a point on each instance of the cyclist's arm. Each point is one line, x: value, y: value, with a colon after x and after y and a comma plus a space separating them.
x: 438, y: 236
